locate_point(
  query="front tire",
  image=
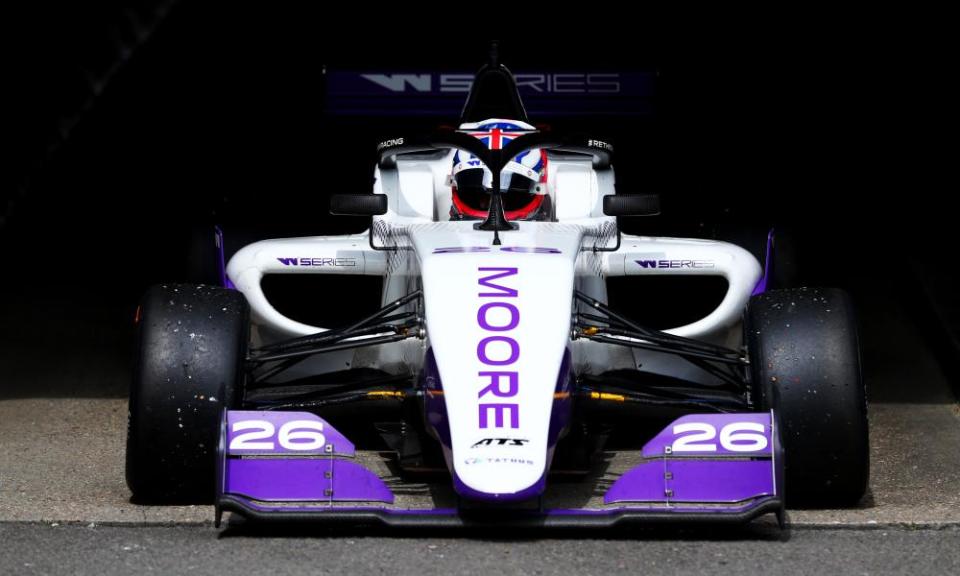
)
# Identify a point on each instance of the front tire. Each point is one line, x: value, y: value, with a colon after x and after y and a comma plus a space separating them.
x: 192, y: 342
x: 805, y: 362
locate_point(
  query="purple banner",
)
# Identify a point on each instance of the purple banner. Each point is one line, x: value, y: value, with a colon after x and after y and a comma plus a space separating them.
x: 544, y: 93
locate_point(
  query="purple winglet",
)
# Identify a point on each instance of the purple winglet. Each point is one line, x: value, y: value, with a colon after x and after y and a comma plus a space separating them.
x: 704, y: 458
x: 764, y: 281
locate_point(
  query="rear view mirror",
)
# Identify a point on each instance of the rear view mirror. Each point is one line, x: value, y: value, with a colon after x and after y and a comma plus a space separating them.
x: 358, y: 204
x: 631, y: 205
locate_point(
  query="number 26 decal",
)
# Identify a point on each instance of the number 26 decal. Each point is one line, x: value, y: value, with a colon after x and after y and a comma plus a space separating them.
x: 294, y: 435
x: 734, y: 437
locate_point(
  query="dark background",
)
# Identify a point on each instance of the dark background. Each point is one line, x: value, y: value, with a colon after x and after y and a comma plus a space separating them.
x: 130, y: 125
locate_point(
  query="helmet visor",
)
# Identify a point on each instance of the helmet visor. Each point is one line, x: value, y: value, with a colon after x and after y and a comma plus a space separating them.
x: 474, y: 186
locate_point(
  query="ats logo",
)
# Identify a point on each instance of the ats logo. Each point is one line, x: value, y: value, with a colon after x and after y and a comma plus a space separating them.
x: 501, y: 442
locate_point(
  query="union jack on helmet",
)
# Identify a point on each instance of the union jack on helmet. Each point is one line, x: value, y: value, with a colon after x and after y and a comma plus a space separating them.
x: 522, y: 180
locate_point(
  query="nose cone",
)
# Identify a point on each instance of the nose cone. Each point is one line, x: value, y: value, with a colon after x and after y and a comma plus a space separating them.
x: 498, y: 321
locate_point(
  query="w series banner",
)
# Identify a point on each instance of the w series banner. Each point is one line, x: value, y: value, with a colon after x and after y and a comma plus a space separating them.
x: 545, y: 94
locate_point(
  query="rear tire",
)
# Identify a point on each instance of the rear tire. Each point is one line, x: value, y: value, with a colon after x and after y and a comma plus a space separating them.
x: 805, y: 362
x: 192, y: 342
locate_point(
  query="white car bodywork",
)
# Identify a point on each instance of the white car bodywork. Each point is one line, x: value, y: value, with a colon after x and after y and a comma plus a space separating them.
x: 498, y: 318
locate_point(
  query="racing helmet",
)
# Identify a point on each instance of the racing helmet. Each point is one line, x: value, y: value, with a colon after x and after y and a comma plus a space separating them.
x: 523, y: 181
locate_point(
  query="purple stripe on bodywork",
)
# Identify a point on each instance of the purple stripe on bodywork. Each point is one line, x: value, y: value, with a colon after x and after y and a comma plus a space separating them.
x: 764, y: 281
x: 562, y: 402
x: 221, y: 262
x: 304, y: 479
x: 435, y: 406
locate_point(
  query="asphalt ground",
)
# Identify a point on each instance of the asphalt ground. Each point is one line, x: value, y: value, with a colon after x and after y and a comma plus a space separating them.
x: 104, y: 550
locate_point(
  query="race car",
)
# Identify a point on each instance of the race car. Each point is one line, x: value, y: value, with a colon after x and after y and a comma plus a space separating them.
x: 495, y: 384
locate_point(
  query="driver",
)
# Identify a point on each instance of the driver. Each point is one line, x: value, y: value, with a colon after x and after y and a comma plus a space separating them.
x: 523, y: 181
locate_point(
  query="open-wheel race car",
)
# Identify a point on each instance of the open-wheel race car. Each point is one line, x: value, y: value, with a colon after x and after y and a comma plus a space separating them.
x: 495, y: 384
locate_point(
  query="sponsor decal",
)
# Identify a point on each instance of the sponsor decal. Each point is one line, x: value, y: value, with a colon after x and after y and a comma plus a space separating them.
x: 498, y: 352
x: 498, y: 460
x: 489, y: 249
x: 650, y: 263
x: 386, y: 143
x: 400, y: 82
x: 536, y: 82
x: 734, y: 437
x: 318, y: 262
x: 263, y: 435
x: 440, y: 93
x: 500, y: 442
x: 600, y: 144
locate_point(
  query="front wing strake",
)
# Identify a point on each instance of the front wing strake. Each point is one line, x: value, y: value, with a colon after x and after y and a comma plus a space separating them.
x: 294, y: 466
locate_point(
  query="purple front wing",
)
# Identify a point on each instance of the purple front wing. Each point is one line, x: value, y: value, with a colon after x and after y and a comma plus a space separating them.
x: 284, y: 457
x: 708, y: 459
x: 294, y: 465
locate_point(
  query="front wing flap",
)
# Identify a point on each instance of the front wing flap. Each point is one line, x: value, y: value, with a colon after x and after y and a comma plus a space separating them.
x: 702, y: 468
